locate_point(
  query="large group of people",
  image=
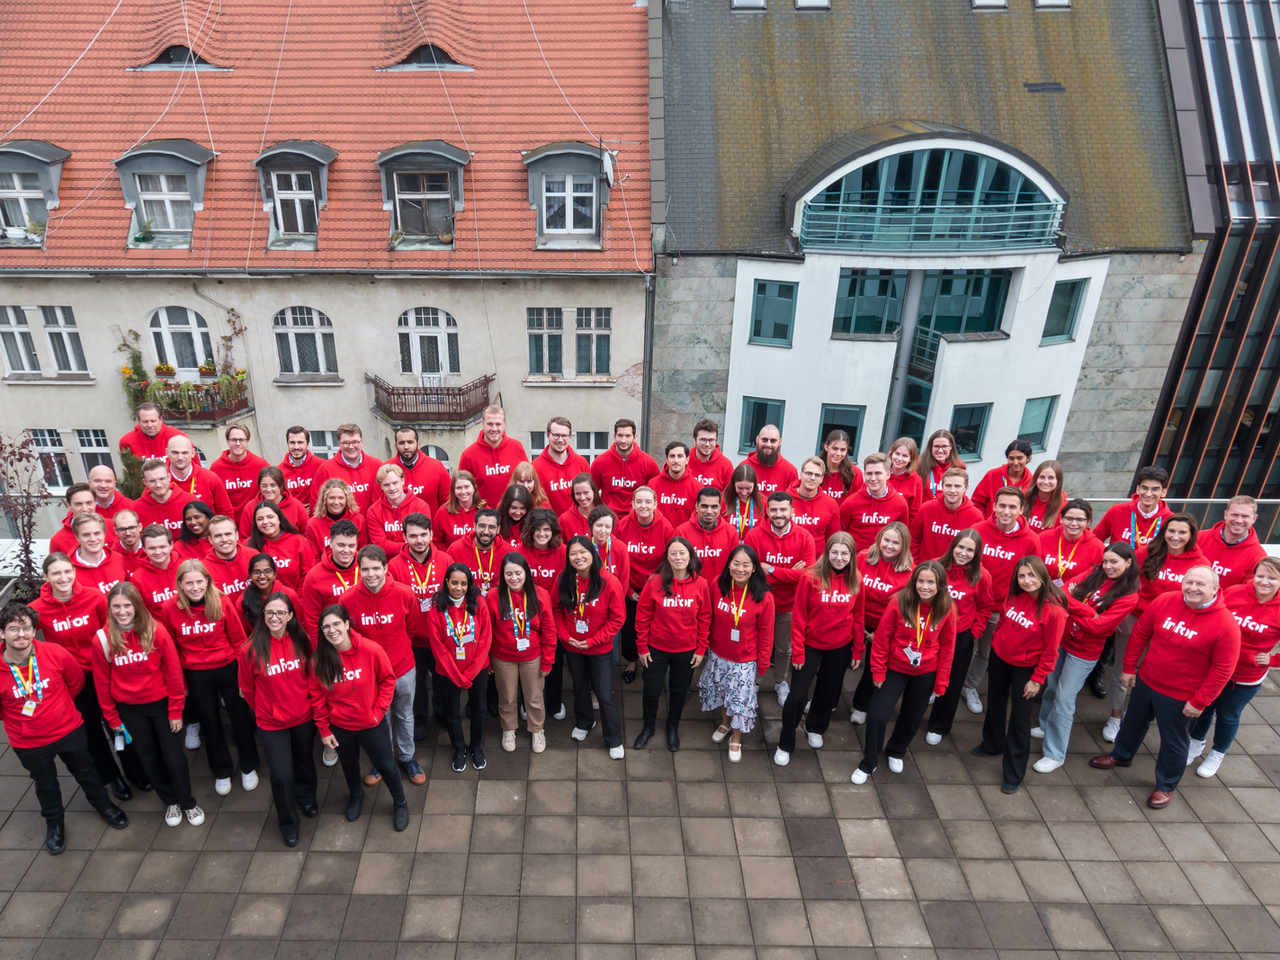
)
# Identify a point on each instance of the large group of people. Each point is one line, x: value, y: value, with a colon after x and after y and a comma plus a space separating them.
x: 358, y: 602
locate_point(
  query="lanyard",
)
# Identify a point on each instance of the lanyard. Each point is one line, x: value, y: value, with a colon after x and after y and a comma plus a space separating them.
x: 1133, y: 529
x: 921, y: 631
x: 183, y: 483
x: 736, y: 609
x: 485, y: 575
x: 607, y: 557
x: 519, y: 618
x: 1071, y: 556
x: 582, y: 600
x: 458, y: 630
x: 421, y: 583
x: 745, y: 520
x: 342, y: 580
x: 25, y: 686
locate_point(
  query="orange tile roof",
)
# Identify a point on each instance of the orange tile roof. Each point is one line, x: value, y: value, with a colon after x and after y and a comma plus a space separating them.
x: 328, y: 90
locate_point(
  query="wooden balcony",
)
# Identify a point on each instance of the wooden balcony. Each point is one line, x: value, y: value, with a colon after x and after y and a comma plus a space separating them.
x: 430, y: 404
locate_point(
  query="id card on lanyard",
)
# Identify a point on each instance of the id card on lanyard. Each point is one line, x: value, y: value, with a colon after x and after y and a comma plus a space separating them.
x: 581, y: 626
x: 736, y: 610
x: 29, y: 686
x: 423, y: 584
x: 519, y: 620
x: 461, y: 633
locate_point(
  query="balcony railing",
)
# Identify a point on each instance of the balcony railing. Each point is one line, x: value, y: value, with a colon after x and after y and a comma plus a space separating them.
x: 857, y: 226
x: 430, y: 404
x: 208, y: 400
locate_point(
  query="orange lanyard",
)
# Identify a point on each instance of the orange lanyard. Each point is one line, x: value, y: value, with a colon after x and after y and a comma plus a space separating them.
x: 922, y: 631
x: 519, y: 618
x: 1071, y: 556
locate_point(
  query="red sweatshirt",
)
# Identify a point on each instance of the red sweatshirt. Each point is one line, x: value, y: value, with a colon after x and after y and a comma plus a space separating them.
x: 324, y: 584
x: 743, y: 518
x: 677, y: 623
x: 109, y: 571
x: 984, y: 494
x: 1026, y: 637
x: 880, y: 582
x: 615, y: 558
x: 385, y: 523
x: 602, y: 617
x: 710, y: 473
x: 485, y: 565
x: 545, y: 564
x: 911, y: 487
x: 863, y: 515
x: 53, y: 714
x: 1124, y: 520
x: 935, y: 526
x: 64, y: 539
x: 826, y: 619
x: 1067, y: 559
x: 1259, y: 631
x: 240, y: 478
x: 932, y: 484
x: 1169, y: 577
x: 184, y: 549
x: 156, y: 586
x: 820, y: 515
x: 448, y: 528
x: 133, y: 559
x: 360, y: 695
x: 1087, y: 630
x: 932, y: 647
x: 204, y: 485
x: 1193, y: 652
x: 573, y: 524
x: 973, y: 602
x: 783, y: 552
x: 168, y: 513
x: 424, y: 579
x: 317, y: 531
x: 72, y: 623
x: 386, y: 618
x: 362, y: 478
x: 137, y: 677
x: 618, y: 478
x: 293, y: 556
x: 833, y: 485
x: 741, y: 628
x: 778, y: 477
x: 279, y: 691
x: 1036, y: 518
x: 204, y: 645
x: 537, y: 638
x: 427, y: 480
x: 231, y: 577
x: 557, y: 478
x: 460, y: 662
x: 646, y: 546
x: 712, y: 546
x: 676, y: 498
x: 492, y: 466
x: 149, y: 448
x: 1001, y: 552
x: 290, y: 506
x: 298, y: 479
x: 1233, y: 562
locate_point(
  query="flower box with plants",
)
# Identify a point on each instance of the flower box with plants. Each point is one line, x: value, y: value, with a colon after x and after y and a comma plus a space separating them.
x: 165, y: 370
x: 208, y: 371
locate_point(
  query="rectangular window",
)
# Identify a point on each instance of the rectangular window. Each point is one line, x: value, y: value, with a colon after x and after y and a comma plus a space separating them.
x: 60, y: 325
x: 969, y: 426
x: 19, y: 348
x: 424, y: 203
x: 836, y: 416
x: 21, y: 201
x: 324, y: 443
x: 1052, y: 4
x: 773, y: 312
x: 95, y: 449
x: 748, y: 4
x: 591, y: 444
x: 869, y: 301
x: 53, y: 458
x: 546, y: 340
x: 990, y: 4
x: 813, y: 4
x: 304, y: 349
x: 1060, y: 324
x: 166, y: 202
x: 537, y: 441
x: 1037, y: 418
x: 295, y: 201
x: 568, y: 203
x: 756, y: 413
x: 964, y: 301
x: 593, y: 325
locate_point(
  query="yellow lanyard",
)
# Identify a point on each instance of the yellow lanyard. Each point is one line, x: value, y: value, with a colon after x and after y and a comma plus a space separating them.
x: 519, y: 618
x: 485, y: 574
x: 921, y: 631
x: 1062, y: 570
x: 582, y: 606
x: 460, y: 630
x: 342, y: 580
x: 421, y: 583
x: 737, y: 609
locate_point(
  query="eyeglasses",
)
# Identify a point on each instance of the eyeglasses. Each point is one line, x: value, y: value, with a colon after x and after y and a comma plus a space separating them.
x: 330, y: 628
x: 809, y: 474
x: 14, y: 629
x: 1074, y: 521
x: 280, y: 615
x: 132, y: 529
x: 237, y: 440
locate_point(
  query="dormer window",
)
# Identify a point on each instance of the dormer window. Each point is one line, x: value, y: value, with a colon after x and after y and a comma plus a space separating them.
x: 428, y: 57
x: 294, y: 176
x: 163, y: 184
x: 30, y: 171
x: 422, y: 188
x: 180, y: 57
x: 568, y: 187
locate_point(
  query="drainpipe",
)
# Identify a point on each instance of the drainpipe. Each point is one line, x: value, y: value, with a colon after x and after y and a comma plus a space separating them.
x: 650, y: 293
x: 902, y: 358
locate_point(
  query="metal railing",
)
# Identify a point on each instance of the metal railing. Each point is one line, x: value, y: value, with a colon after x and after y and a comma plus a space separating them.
x: 859, y: 226
x: 430, y: 404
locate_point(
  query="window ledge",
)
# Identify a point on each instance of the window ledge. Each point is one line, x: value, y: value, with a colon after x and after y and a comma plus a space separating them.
x: 25, y: 240
x: 61, y: 379
x: 1053, y: 341
x: 420, y: 243
x: 174, y: 241
x: 308, y: 380
x: 975, y: 337
x: 867, y: 337
x: 305, y: 241
x: 569, y: 243
x: 764, y: 342
x: 536, y: 381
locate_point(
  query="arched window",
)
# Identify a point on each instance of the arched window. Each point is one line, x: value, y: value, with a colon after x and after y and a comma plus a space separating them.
x: 181, y: 338
x: 304, y: 341
x: 429, y: 344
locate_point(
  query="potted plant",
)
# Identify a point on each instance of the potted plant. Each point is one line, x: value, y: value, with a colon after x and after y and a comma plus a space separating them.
x: 394, y: 240
x: 165, y: 371
x: 445, y: 237
x: 35, y: 231
x: 146, y: 233
x: 208, y: 371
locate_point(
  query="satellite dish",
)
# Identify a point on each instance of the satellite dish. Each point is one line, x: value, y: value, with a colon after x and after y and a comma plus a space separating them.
x: 608, y: 167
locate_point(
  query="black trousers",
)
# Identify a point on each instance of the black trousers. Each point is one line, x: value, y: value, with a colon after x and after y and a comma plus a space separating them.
x: 160, y: 750
x: 629, y: 652
x: 425, y: 663
x: 553, y: 686
x: 943, y: 713
x: 449, y: 698
x: 74, y: 751
x: 655, y: 677
x: 292, y: 764
x: 827, y: 667
x: 914, y: 692
x: 1004, y: 684
x: 1145, y: 705
x: 204, y: 690
x: 376, y: 741
x: 104, y: 758
x: 865, y: 689
x: 593, y: 673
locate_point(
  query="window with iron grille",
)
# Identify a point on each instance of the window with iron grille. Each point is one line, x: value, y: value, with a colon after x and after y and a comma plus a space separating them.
x: 304, y: 341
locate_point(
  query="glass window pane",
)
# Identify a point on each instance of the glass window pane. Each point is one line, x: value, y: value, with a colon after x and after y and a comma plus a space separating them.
x: 207, y: 344
x: 756, y: 413
x: 11, y: 351
x: 156, y: 212
x: 29, y: 181
x: 33, y: 362
x: 184, y: 349
x: 162, y: 355
x: 1036, y: 418
x: 37, y: 210
x: 406, y: 354
x: 61, y: 360
x: 309, y: 222
x: 1063, y: 307
x: 968, y: 423
x: 286, y: 355
x: 13, y: 215
x: 148, y: 183
x: 555, y: 218
x: 413, y: 217
x: 330, y: 353
x: 455, y: 356
x: 308, y: 355
x: 774, y: 311
x: 602, y: 354
x: 584, y: 204
x: 77, y: 351
x: 430, y: 354
x: 536, y: 362
x: 555, y: 318
x: 839, y: 417
x: 555, y: 360
x: 177, y: 316
x: 288, y: 217
x: 583, y: 365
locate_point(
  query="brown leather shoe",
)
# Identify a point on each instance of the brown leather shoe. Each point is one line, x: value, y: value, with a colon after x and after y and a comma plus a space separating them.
x: 372, y: 778
x: 1159, y: 799
x: 1106, y: 761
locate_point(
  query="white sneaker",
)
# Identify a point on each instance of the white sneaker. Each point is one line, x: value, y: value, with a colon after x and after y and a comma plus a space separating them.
x: 249, y: 780
x: 781, y: 758
x: 858, y: 776
x: 222, y: 786
x: 193, y: 737
x: 1037, y: 733
x: 1194, y: 749
x: 561, y: 713
x: 815, y: 740
x: 195, y: 816
x: 509, y: 741
x: 971, y: 699
x: 617, y: 753
x: 1111, y: 729
x: 1211, y: 764
x: 895, y: 765
x: 539, y: 742
x: 783, y: 690
x: 933, y: 739
x: 857, y: 716
x: 1047, y: 765
x: 330, y: 757
x: 579, y: 734
x: 173, y: 815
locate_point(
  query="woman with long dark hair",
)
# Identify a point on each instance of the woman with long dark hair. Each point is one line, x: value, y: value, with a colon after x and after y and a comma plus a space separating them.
x: 273, y: 533
x: 542, y: 548
x: 262, y: 584
x: 575, y: 522
x: 274, y: 671
x: 970, y: 588
x: 938, y: 456
x: 842, y: 475
x: 273, y: 489
x: 886, y: 567
x: 1043, y: 500
x: 743, y: 503
x: 904, y: 476
x: 457, y: 516
x: 192, y: 542
x: 524, y: 647
x: 460, y: 633
x: 515, y: 505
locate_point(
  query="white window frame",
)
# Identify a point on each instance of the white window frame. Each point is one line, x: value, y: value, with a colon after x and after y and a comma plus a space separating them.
x: 1053, y: 4
x: 593, y: 324
x: 991, y: 4
x: 168, y: 196
x: 164, y: 344
x: 53, y: 458
x: 537, y: 320
x: 64, y: 340
x: 95, y: 449
x: 748, y: 4
x: 324, y: 444
x: 813, y: 4
x: 15, y: 337
x: 597, y: 442
x: 297, y: 323
x: 15, y: 191
x: 298, y: 198
x: 424, y: 323
x: 426, y: 196
x: 570, y: 181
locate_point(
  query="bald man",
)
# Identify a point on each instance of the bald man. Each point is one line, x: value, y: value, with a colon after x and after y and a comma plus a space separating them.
x: 199, y: 483
x: 107, y: 500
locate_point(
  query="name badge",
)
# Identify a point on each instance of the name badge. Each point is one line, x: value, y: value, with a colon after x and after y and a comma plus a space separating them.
x: 581, y: 626
x: 913, y: 655
x: 735, y: 634
x: 466, y: 638
x: 522, y: 643
x: 1057, y: 582
x: 484, y: 588
x: 29, y: 708
x: 424, y: 604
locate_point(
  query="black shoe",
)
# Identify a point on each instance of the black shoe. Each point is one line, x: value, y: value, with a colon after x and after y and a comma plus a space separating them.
x: 493, y: 709
x: 981, y: 751
x: 309, y: 810
x: 1098, y: 685
x: 400, y: 817
x: 645, y: 735
x: 55, y: 839
x: 459, y: 760
x: 143, y: 785
x: 1008, y: 788
x: 114, y: 816
x: 628, y: 676
x: 477, y: 758
x: 354, y: 806
x: 419, y: 730
x: 673, y: 739
x: 290, y: 834
x: 120, y: 787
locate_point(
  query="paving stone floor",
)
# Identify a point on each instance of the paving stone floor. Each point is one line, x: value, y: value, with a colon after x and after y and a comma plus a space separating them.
x: 676, y: 856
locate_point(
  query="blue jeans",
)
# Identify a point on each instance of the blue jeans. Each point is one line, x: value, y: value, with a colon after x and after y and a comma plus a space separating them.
x: 1145, y: 705
x: 1058, y: 702
x: 1229, y: 705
